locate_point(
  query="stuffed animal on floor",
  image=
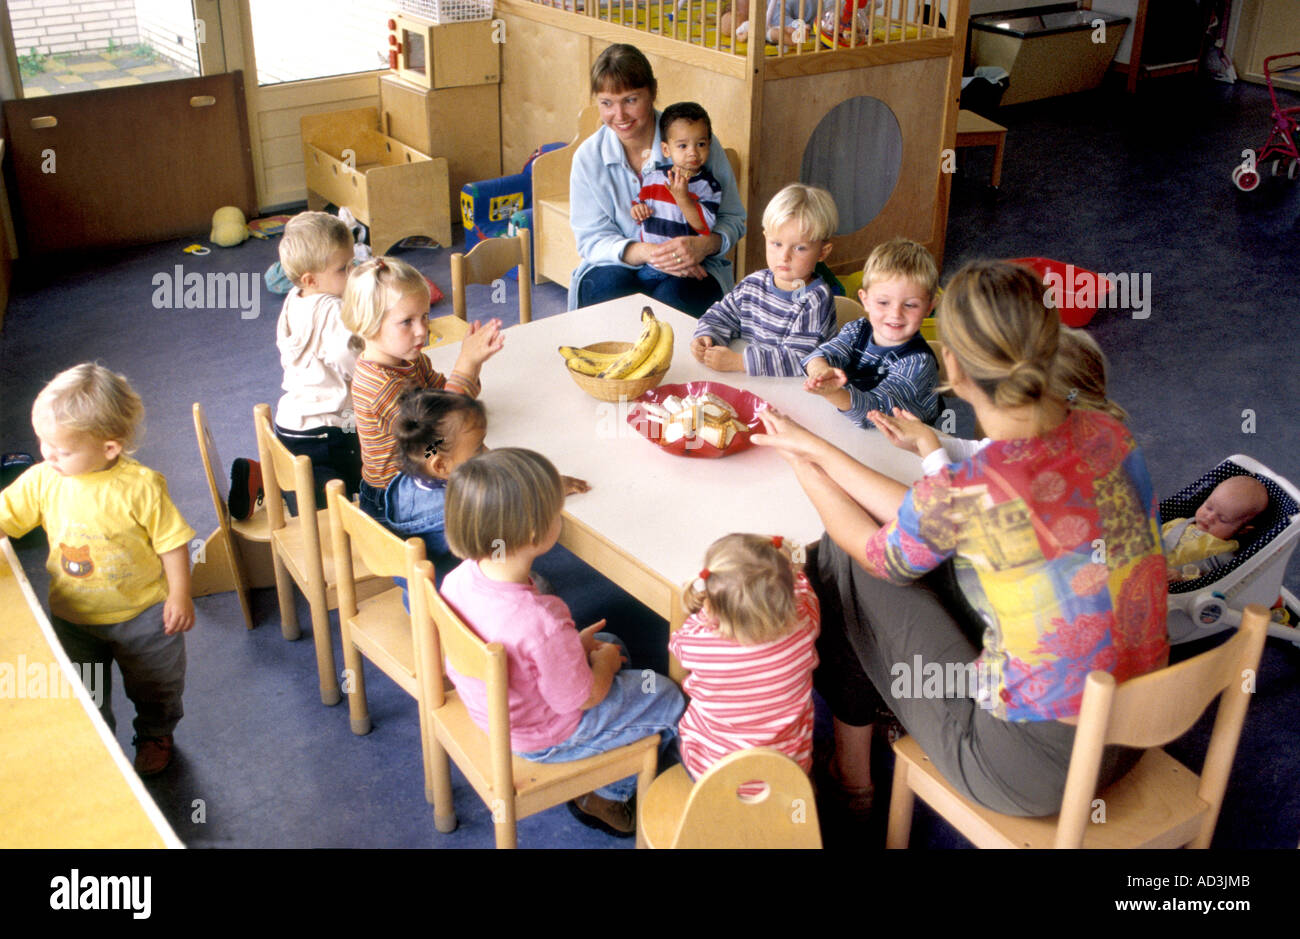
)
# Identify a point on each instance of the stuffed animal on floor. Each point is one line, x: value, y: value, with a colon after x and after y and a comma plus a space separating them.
x: 229, y: 227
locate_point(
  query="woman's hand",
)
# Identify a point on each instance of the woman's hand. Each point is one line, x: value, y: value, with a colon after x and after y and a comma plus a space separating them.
x: 684, y: 257
x: 905, y: 431
x: 788, y: 437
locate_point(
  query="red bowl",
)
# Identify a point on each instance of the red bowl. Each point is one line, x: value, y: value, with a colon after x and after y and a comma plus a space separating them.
x: 747, y: 407
x: 1071, y: 276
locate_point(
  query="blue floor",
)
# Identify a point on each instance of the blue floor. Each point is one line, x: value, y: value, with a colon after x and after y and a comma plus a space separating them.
x: 1105, y: 181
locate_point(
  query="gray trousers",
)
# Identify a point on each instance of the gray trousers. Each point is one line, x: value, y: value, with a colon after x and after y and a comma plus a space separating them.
x: 152, y: 664
x: 872, y: 635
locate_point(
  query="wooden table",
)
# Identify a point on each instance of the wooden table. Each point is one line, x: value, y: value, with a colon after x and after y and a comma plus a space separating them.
x: 650, y: 515
x: 64, y: 781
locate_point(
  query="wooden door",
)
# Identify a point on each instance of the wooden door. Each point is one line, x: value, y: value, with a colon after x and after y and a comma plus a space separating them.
x: 130, y: 165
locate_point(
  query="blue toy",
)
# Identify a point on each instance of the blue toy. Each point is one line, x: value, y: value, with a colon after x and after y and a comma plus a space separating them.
x: 488, y: 207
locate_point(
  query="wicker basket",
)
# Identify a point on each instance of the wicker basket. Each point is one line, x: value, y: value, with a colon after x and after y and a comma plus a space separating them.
x: 615, y: 389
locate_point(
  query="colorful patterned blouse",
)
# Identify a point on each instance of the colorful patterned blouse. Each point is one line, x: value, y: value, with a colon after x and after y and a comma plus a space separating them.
x: 1056, y: 543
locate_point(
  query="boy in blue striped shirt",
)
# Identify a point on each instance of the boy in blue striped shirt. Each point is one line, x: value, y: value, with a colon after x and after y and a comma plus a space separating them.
x: 881, y: 362
x: 783, y: 312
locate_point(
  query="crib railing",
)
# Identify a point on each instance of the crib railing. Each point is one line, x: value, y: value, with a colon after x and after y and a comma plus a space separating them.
x: 835, y: 24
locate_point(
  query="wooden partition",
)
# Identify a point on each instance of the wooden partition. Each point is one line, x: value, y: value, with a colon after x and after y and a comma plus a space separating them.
x: 765, y: 103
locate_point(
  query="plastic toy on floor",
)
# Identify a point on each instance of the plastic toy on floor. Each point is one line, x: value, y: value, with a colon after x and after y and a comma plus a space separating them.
x: 1215, y: 601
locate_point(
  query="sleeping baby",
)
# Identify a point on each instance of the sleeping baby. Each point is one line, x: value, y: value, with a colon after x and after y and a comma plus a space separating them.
x: 1201, y: 544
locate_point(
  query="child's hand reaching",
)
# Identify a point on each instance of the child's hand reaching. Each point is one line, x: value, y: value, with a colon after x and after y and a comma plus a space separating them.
x: 573, y: 485
x: 641, y: 212
x: 823, y: 379
x: 906, y: 432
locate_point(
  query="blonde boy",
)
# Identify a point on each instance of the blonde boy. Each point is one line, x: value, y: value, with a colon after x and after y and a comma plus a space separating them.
x: 119, y: 565
x: 317, y: 352
x: 782, y: 312
x: 881, y: 362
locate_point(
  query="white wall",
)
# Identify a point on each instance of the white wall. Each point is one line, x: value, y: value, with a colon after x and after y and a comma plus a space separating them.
x: 168, y: 26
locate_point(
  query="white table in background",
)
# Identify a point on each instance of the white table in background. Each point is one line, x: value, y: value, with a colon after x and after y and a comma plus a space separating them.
x: 650, y: 515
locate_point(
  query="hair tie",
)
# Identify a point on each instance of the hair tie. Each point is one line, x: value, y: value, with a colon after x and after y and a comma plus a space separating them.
x: 432, y: 448
x: 1074, y: 393
x: 699, y: 581
x: 380, y: 264
x: 777, y: 541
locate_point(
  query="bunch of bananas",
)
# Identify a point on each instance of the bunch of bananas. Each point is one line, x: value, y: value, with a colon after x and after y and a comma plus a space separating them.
x: 651, y: 352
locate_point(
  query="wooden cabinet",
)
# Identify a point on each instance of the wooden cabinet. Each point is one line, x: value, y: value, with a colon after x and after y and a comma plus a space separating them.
x: 461, y: 124
x: 1264, y: 28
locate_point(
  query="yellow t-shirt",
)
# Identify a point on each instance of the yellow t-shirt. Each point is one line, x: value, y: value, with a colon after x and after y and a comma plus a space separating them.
x: 106, y: 531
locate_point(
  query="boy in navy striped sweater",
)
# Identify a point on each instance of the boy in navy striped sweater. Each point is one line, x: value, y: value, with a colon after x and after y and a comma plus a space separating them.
x: 783, y: 312
x: 881, y: 362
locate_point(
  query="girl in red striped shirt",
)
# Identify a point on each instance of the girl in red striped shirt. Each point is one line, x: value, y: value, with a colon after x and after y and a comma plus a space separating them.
x: 750, y: 646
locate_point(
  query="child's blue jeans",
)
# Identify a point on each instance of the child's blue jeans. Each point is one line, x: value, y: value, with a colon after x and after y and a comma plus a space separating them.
x: 640, y: 703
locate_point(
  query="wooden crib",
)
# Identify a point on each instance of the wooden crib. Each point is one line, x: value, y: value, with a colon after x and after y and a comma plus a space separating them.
x: 894, y: 74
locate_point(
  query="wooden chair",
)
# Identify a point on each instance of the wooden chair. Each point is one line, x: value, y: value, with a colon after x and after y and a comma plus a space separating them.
x: 380, y: 629
x: 556, y: 251
x: 847, y: 310
x: 237, y: 555
x: 712, y: 814
x: 493, y: 258
x: 298, y: 554
x: 511, y: 787
x: 445, y: 329
x: 1158, y: 804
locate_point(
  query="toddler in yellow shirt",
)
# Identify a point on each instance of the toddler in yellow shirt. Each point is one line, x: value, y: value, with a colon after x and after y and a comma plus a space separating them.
x: 118, y: 563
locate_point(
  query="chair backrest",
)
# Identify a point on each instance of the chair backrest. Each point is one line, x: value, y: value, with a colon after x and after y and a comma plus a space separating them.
x: 847, y: 310
x: 473, y: 658
x: 719, y: 813
x: 218, y: 485
x: 551, y: 170
x: 490, y: 259
x: 1161, y: 706
x: 383, y: 553
x: 279, y: 467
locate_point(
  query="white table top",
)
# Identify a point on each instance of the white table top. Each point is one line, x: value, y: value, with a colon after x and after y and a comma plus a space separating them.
x: 663, y: 510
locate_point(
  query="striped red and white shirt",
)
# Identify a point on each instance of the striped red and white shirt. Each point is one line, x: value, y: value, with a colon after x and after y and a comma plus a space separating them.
x: 375, y: 390
x: 746, y: 696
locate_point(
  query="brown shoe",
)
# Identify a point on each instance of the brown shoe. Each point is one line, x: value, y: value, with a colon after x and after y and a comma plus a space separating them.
x: 613, y: 818
x: 152, y: 754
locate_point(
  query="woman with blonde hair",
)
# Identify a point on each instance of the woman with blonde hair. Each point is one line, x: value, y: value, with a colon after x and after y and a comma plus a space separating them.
x: 1052, y: 533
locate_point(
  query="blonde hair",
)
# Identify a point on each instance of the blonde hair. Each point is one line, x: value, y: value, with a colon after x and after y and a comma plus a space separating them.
x: 993, y: 320
x: 812, y: 208
x: 373, y: 288
x: 1080, y: 374
x: 901, y: 257
x: 308, y: 241
x: 749, y: 588
x: 92, y: 400
x: 501, y: 501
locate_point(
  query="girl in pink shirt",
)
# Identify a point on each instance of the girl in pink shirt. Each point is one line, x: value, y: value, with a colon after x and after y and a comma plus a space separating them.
x: 569, y: 695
